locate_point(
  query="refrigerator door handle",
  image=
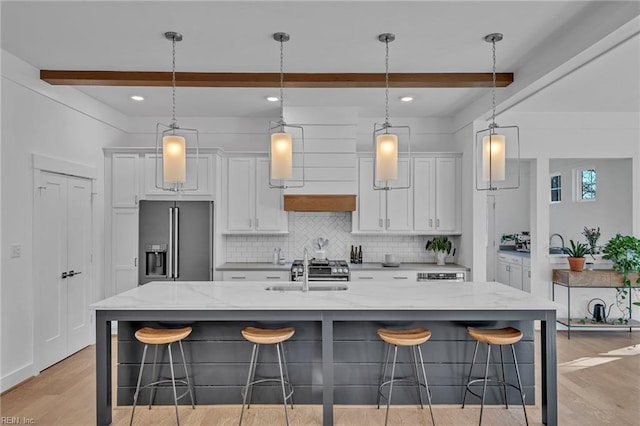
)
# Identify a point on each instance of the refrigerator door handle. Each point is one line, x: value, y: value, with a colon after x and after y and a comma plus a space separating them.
x: 176, y: 227
x: 170, y: 247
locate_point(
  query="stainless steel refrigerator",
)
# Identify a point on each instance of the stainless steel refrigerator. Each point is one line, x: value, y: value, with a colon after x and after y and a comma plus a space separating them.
x: 176, y: 241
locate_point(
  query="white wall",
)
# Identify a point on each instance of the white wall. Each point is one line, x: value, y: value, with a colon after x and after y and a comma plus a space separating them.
x: 38, y: 118
x: 473, y: 241
x: 512, y: 207
x: 611, y: 210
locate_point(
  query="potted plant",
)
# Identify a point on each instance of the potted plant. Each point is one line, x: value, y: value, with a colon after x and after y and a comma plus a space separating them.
x: 441, y: 246
x: 576, y: 253
x: 624, y: 252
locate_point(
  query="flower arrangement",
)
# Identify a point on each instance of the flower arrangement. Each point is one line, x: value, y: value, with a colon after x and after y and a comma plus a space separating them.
x: 592, y: 235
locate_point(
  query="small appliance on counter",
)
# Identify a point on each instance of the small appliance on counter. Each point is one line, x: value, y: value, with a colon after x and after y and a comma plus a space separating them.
x: 516, y: 242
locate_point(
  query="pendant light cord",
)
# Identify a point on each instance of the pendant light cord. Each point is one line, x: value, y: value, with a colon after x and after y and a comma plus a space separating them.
x: 281, y: 81
x: 386, y: 84
x: 493, y: 89
x: 174, y: 123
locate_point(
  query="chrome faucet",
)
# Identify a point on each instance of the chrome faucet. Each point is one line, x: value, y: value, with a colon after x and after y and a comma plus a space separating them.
x: 561, y: 239
x: 305, y: 271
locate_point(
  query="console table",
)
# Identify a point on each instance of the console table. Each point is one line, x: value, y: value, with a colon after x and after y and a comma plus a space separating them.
x: 591, y: 279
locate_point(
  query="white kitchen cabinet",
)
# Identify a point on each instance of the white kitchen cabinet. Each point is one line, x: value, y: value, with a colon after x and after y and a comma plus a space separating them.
x: 124, y: 249
x: 199, y: 182
x: 436, y: 193
x: 526, y: 275
x: 124, y: 180
x: 383, y: 211
x: 256, y: 275
x: 510, y: 270
x: 252, y: 207
x: 384, y: 275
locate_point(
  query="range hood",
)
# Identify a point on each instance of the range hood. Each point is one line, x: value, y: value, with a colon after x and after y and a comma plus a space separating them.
x: 319, y: 203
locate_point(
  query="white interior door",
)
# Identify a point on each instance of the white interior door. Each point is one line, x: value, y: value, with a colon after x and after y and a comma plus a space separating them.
x: 51, y: 263
x: 78, y: 263
x: 63, y: 244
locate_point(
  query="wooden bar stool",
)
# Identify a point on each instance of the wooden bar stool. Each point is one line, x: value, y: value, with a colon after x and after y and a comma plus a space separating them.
x: 412, y: 338
x: 262, y: 336
x: 157, y: 337
x: 499, y: 337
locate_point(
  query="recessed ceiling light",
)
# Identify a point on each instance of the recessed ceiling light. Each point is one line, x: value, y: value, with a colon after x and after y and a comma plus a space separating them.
x: 137, y: 98
x: 273, y: 98
x: 406, y: 98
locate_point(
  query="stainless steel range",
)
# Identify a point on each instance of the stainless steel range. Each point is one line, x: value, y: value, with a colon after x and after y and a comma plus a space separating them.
x: 321, y: 270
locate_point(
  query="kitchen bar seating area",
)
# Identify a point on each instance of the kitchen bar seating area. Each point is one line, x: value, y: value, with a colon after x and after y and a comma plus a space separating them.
x: 335, y: 355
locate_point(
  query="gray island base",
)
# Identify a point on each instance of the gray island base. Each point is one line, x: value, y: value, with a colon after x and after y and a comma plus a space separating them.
x: 335, y: 355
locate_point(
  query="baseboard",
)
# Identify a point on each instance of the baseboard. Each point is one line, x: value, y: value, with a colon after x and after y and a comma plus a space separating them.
x: 16, y: 377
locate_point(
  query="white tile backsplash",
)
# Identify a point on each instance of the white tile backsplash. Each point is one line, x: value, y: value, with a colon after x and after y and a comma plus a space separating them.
x: 304, y: 227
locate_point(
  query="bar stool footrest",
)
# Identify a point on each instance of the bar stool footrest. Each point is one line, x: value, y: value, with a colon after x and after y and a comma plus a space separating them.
x: 269, y: 379
x: 500, y: 382
x: 405, y: 380
x: 166, y: 383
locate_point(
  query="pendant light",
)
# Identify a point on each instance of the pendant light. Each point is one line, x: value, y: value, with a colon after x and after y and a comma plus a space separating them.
x: 497, y: 143
x: 171, y: 140
x: 281, y: 145
x: 386, y: 141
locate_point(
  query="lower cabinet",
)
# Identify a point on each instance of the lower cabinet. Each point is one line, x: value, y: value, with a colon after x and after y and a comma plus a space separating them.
x: 384, y: 275
x: 510, y: 270
x: 256, y: 275
x: 124, y: 249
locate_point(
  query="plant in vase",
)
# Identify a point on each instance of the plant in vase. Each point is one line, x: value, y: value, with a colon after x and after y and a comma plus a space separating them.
x: 441, y: 246
x: 592, y: 235
x: 576, y: 253
x: 624, y: 252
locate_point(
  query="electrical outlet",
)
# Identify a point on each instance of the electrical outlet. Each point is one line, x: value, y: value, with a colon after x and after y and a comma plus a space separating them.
x: 16, y: 250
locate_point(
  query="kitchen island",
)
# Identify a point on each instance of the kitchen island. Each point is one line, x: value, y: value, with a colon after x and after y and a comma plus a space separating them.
x: 445, y: 307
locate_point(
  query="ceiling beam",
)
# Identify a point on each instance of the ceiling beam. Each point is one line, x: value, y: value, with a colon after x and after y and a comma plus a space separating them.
x: 293, y: 80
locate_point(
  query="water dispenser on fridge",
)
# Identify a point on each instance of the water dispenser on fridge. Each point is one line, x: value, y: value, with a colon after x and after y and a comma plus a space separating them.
x: 156, y: 260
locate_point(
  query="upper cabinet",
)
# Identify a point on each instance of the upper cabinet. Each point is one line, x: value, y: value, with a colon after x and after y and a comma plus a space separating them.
x: 432, y: 205
x: 252, y: 207
x: 437, y: 195
x: 383, y: 211
x: 199, y: 182
x: 124, y: 181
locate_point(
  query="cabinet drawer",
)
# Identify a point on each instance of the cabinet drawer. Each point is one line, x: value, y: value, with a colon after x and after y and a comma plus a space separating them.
x: 256, y: 275
x: 515, y: 260
x: 397, y: 275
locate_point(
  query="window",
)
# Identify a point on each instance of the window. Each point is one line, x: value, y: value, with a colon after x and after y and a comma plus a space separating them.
x: 586, y: 184
x: 556, y: 188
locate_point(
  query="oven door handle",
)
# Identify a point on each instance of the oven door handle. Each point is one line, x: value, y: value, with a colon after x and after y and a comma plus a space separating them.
x: 328, y: 278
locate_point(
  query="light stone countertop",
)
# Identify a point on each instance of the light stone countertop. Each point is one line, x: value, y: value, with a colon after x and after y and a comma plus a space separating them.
x: 368, y: 266
x: 376, y: 295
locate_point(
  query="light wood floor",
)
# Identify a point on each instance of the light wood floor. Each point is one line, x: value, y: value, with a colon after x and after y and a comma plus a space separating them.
x: 595, y: 387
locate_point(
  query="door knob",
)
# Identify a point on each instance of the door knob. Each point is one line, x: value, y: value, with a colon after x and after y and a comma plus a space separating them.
x: 64, y: 275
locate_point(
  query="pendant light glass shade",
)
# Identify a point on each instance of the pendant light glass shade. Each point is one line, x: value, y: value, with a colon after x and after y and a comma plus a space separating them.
x: 281, y: 156
x: 493, y: 158
x: 174, y: 159
x: 172, y: 142
x: 390, y: 142
x: 497, y: 147
x: 387, y: 157
x: 282, y: 143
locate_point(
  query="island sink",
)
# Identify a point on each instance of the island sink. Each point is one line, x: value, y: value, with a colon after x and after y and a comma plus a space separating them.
x: 312, y: 287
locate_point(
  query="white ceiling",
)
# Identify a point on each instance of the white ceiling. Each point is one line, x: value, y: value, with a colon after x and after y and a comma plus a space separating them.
x: 328, y: 36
